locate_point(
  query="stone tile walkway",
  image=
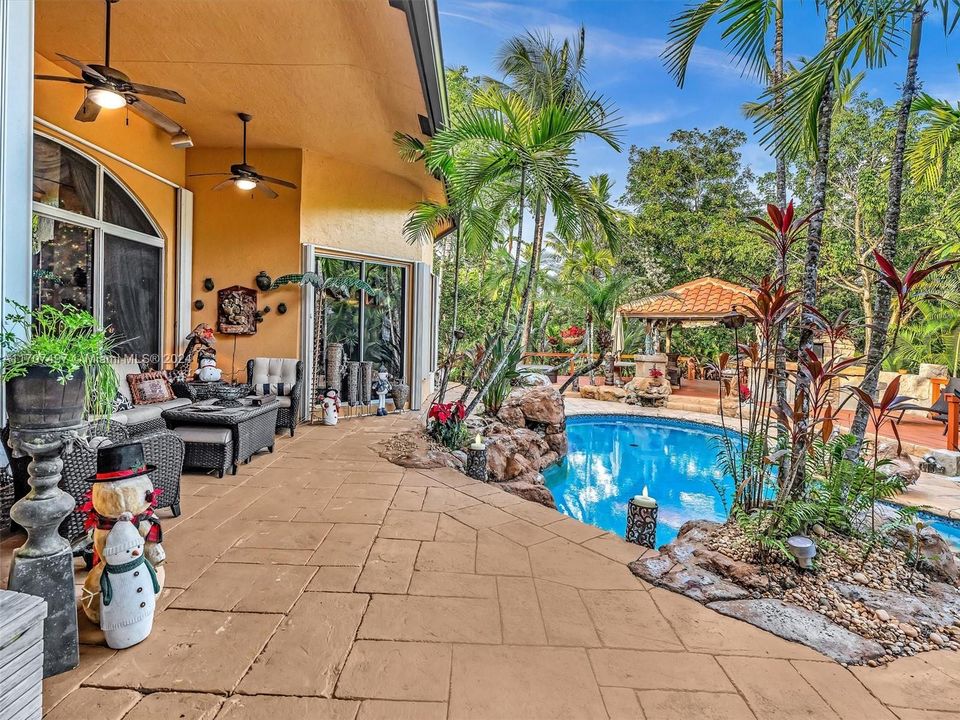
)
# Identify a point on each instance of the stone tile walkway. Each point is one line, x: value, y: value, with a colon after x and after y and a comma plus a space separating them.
x: 322, y: 582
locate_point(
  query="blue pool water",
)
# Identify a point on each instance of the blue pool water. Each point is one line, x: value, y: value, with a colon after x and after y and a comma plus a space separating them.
x: 612, y: 457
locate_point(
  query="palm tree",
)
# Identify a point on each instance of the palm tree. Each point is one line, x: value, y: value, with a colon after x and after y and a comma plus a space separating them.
x: 601, y: 299
x: 746, y: 24
x: 503, y: 135
x: 938, y: 136
x: 891, y: 220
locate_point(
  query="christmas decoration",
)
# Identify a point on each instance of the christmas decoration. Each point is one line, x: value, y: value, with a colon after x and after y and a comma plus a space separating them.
x: 331, y: 407
x: 128, y: 585
x: 208, y: 370
x: 121, y: 485
x: 381, y: 387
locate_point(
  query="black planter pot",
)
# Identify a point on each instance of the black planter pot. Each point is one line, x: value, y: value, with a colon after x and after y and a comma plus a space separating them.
x: 39, y: 400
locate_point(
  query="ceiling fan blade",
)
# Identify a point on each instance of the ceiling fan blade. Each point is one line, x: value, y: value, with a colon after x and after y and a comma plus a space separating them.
x: 88, y: 111
x: 150, y: 113
x: 267, y: 191
x: 209, y: 175
x: 278, y: 181
x: 60, y: 78
x: 83, y: 66
x: 159, y: 92
x: 223, y: 184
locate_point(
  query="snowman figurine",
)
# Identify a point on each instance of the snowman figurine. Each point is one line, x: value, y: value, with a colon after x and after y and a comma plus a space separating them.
x: 208, y: 370
x: 381, y: 387
x: 127, y: 586
x: 121, y: 486
x: 331, y: 407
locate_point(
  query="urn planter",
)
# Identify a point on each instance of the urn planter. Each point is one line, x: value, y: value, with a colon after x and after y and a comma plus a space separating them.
x: 41, y: 399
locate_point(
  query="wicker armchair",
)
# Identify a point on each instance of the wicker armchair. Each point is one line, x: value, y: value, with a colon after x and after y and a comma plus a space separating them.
x: 163, y: 449
x: 276, y: 371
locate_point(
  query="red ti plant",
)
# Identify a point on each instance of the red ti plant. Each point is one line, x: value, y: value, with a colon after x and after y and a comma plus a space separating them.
x: 881, y: 413
x: 781, y: 229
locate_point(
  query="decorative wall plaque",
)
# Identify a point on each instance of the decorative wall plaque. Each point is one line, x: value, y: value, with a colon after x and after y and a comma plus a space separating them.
x: 237, y: 311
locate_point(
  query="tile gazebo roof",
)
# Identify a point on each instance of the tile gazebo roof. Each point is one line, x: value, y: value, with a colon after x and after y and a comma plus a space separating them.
x: 702, y: 299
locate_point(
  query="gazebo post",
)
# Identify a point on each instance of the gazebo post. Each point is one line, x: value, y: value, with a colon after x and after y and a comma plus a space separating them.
x: 669, y: 341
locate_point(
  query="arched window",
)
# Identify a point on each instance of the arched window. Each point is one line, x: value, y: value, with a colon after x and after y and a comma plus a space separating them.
x: 95, y: 247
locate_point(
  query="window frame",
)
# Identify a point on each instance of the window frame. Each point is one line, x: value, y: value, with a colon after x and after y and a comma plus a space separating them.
x: 102, y: 228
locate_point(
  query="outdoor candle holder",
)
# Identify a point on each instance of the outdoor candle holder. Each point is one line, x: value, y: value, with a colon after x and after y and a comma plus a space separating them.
x: 476, y: 466
x: 642, y: 520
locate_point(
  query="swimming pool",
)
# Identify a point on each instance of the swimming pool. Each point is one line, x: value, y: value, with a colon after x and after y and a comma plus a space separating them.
x: 612, y: 457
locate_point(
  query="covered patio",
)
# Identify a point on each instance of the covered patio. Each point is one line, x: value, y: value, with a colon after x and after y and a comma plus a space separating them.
x: 323, y: 582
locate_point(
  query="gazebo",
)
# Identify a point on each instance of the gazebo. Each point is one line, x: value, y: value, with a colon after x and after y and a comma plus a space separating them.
x: 698, y: 303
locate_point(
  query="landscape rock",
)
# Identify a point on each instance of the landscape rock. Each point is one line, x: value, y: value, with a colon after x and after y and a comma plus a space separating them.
x: 931, y: 370
x: 531, y: 488
x: 690, y: 580
x: 900, y: 464
x: 607, y: 393
x: 541, y: 405
x: 804, y: 626
x: 533, y: 379
x: 940, y: 606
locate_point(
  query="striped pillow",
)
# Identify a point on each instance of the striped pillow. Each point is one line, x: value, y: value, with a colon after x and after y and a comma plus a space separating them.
x: 278, y: 389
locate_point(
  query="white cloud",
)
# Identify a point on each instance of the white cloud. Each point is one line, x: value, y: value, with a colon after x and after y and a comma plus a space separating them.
x: 603, y: 45
x: 641, y: 118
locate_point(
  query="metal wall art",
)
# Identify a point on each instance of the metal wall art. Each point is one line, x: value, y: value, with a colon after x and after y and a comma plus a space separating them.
x: 263, y: 280
x: 208, y: 284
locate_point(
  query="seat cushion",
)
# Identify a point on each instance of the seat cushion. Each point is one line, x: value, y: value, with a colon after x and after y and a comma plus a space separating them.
x: 204, y: 434
x: 144, y: 413
x: 274, y: 376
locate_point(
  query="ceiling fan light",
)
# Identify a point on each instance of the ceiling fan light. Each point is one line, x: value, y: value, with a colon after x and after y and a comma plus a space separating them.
x: 106, y: 98
x: 243, y: 183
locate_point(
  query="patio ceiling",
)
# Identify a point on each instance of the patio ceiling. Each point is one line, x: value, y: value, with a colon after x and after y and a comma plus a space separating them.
x: 337, y: 77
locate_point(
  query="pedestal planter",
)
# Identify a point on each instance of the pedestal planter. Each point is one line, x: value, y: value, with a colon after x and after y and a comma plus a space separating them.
x: 46, y: 416
x: 39, y: 400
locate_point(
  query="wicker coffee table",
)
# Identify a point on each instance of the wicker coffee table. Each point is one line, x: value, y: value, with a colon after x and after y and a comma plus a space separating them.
x: 251, y: 429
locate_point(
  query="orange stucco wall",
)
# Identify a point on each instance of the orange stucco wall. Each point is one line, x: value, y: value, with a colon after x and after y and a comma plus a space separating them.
x: 238, y: 234
x: 358, y: 208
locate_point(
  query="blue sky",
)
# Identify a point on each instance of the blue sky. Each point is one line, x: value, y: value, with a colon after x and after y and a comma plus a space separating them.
x: 624, y: 41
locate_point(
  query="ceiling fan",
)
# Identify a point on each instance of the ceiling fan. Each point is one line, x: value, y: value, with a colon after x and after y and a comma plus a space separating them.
x: 246, y: 177
x: 110, y: 89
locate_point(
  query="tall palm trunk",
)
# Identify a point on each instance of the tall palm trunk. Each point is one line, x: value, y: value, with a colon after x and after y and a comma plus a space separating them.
x: 495, y: 371
x: 513, y: 284
x: 516, y: 259
x: 891, y: 221
x: 780, y: 352
x: 811, y: 265
x: 452, y: 348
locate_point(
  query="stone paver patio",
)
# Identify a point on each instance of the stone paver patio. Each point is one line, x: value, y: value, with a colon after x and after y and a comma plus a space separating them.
x: 323, y: 582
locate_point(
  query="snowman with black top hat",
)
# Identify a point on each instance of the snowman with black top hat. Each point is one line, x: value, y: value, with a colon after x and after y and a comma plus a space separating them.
x: 122, y: 497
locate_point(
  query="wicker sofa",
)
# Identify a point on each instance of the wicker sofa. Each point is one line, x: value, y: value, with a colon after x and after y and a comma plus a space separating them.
x: 140, y: 419
x: 276, y: 371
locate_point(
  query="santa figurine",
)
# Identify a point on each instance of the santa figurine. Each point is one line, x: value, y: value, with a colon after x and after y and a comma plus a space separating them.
x: 121, y: 486
x: 128, y: 586
x: 331, y: 407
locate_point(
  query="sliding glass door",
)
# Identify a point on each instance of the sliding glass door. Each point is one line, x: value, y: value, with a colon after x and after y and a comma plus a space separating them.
x: 371, y: 327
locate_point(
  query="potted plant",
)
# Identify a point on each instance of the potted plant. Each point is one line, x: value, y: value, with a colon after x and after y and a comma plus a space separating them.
x: 572, y: 336
x: 56, y: 366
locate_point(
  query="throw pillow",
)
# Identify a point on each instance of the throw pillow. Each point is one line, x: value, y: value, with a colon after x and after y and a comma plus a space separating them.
x: 279, y: 389
x: 149, y: 388
x: 120, y: 403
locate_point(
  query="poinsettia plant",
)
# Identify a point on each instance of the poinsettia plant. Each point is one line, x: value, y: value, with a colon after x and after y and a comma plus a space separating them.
x: 574, y: 331
x: 447, y: 424
x: 656, y: 373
